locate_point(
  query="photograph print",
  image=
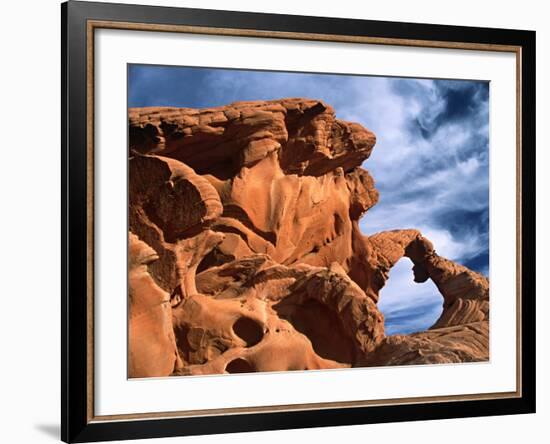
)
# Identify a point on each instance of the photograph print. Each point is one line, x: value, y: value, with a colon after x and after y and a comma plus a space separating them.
x: 283, y: 221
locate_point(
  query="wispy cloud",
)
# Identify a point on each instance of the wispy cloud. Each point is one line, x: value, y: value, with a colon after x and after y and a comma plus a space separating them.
x: 430, y: 163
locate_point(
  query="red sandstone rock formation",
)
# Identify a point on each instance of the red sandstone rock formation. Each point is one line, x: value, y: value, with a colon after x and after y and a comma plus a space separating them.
x: 152, y: 345
x: 252, y: 210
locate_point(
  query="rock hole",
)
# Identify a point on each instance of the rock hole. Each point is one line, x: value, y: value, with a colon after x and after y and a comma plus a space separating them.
x: 182, y: 343
x: 213, y: 259
x: 321, y: 326
x: 176, y: 297
x: 239, y: 365
x: 407, y: 306
x: 339, y: 225
x: 248, y: 330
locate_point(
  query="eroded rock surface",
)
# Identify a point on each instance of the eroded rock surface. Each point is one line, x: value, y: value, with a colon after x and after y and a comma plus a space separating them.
x: 249, y: 214
x: 152, y: 345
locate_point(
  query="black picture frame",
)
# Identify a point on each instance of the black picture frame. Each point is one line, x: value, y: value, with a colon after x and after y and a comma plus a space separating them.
x: 77, y: 425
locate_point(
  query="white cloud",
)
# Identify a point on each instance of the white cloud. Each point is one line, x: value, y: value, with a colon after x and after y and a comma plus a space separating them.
x: 448, y: 247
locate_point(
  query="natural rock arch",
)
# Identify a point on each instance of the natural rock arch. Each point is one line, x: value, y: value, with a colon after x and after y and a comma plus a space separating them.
x: 465, y: 292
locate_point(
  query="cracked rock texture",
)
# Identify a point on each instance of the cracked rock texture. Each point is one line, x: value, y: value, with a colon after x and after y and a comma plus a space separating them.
x: 245, y: 252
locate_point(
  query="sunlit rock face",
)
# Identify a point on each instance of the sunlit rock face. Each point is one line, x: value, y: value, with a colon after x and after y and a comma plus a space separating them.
x: 255, y: 261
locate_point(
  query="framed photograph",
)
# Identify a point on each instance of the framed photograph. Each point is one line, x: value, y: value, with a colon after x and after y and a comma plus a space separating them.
x: 275, y: 221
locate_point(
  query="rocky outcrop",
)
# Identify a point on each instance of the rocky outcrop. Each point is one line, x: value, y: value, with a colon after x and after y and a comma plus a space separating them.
x: 274, y: 318
x: 305, y: 135
x: 443, y: 345
x: 152, y: 345
x: 249, y: 214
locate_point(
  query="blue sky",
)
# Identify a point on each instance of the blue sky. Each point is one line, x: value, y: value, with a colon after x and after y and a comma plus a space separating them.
x: 430, y: 162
